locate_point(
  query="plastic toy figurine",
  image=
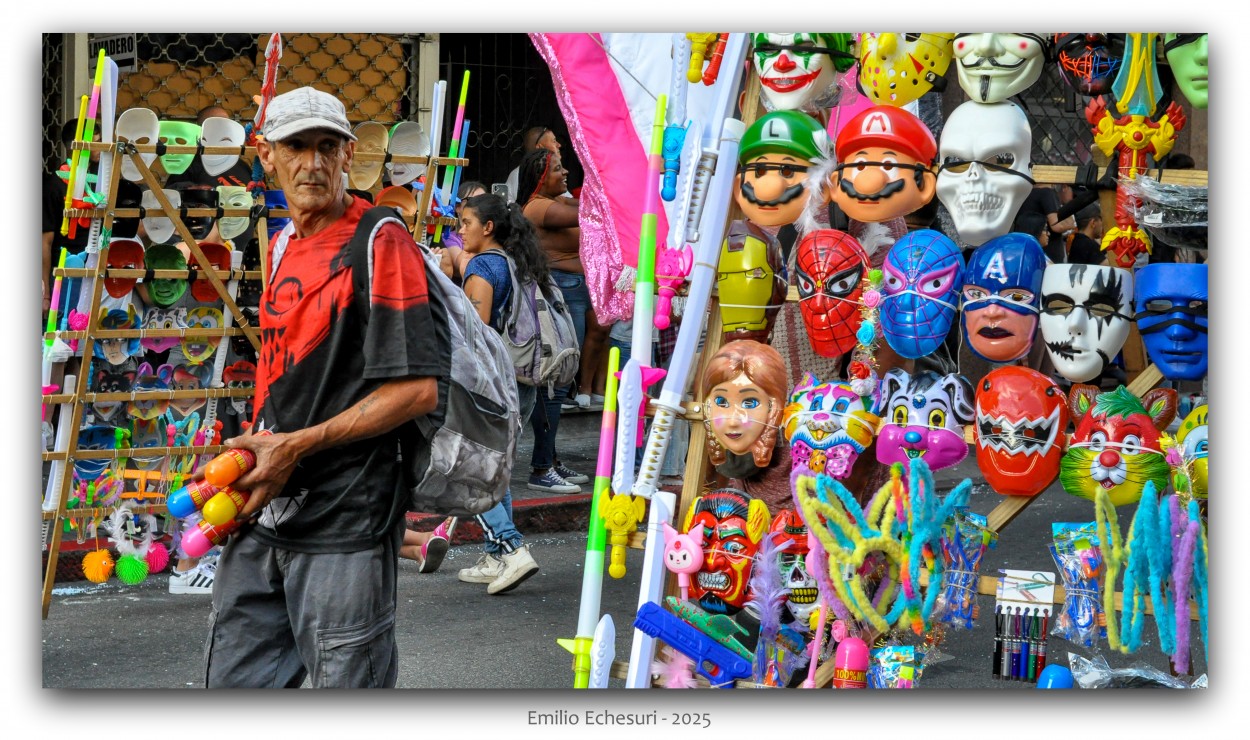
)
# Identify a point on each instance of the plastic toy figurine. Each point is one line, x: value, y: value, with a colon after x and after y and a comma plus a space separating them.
x: 829, y: 272
x: 773, y: 159
x: 1171, y: 301
x: 923, y: 417
x: 683, y: 555
x: 746, y: 390
x: 899, y: 68
x: 1089, y: 62
x: 1086, y: 317
x: 994, y: 66
x: 751, y: 282
x: 984, y: 176
x: 797, y: 71
x: 733, y: 525
x: 923, y: 274
x: 827, y: 426
x: 884, y: 160
x: 1187, y: 55
x: 1022, y: 417
x: 1001, y: 295
x: 1115, y: 446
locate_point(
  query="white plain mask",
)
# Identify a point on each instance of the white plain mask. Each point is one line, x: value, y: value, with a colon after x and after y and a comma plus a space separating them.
x: 160, y: 229
x: 982, y: 201
x: 1086, y: 317
x: 218, y: 131
x: 138, y: 126
x: 994, y: 66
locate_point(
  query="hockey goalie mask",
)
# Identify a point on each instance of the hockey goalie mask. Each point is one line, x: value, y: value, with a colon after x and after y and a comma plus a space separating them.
x: 898, y: 68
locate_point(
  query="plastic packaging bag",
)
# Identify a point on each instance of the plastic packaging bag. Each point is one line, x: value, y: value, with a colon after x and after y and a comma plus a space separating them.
x: 1174, y: 214
x: 1096, y: 673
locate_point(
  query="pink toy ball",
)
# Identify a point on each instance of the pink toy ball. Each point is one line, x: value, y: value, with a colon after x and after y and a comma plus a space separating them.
x: 157, y: 557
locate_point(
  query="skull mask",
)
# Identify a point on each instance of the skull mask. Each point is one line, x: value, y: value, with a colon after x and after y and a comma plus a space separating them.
x: 984, y: 176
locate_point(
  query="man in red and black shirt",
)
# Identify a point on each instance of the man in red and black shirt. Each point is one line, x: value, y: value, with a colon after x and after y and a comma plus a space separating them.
x: 308, y: 587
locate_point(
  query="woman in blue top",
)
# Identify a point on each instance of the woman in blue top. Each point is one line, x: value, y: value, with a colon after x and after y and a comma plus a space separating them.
x: 488, y: 222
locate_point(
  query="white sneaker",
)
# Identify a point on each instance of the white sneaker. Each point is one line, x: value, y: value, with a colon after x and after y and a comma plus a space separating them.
x: 487, y: 569
x: 517, y: 566
x: 197, y: 580
x: 582, y: 400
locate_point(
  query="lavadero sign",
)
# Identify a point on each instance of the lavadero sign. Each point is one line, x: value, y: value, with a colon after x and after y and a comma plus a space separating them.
x: 120, y: 48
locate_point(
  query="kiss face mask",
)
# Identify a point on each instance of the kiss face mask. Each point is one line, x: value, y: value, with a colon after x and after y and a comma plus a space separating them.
x: 994, y: 66
x: 923, y: 273
x: 984, y: 176
x: 1020, y: 432
x: 829, y: 271
x: 1171, y: 302
x: 1001, y: 293
x: 1086, y: 317
x: 924, y: 416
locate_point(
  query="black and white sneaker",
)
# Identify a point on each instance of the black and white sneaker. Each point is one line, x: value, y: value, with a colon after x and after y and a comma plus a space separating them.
x: 197, y: 580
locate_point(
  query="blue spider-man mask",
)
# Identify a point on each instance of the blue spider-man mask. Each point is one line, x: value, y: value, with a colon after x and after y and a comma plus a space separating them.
x: 1171, y: 305
x: 920, y: 291
x: 1002, y: 292
x: 98, y: 437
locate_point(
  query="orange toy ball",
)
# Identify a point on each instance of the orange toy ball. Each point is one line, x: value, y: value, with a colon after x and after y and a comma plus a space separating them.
x: 97, y: 566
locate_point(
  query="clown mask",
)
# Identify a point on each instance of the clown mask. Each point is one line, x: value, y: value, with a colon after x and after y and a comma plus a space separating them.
x: 1192, y: 437
x: 898, y: 68
x: 198, y: 349
x: 1171, y: 302
x: 733, y: 526
x: 884, y: 155
x: 1086, y: 317
x: 827, y: 426
x: 994, y: 66
x: 923, y: 272
x: 1019, y: 435
x: 1187, y: 55
x: 751, y: 283
x: 1001, y: 292
x: 1115, y: 446
x: 163, y: 318
x: 829, y: 270
x: 924, y: 416
x: 1089, y: 62
x: 797, y: 70
x: 178, y: 133
x: 984, y: 176
x: 800, y: 586
x: 773, y: 161
x: 746, y: 385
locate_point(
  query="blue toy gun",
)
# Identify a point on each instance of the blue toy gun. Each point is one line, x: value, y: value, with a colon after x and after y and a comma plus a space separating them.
x: 718, y: 664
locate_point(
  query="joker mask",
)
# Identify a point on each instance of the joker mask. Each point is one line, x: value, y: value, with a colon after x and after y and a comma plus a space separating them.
x: 829, y: 270
x: 1089, y: 62
x: 750, y: 279
x: 923, y: 273
x: 984, y: 176
x: 1187, y: 55
x: 1020, y: 432
x: 773, y: 160
x: 1116, y: 442
x: 733, y: 526
x: 746, y: 387
x: 1001, y: 293
x: 1193, y: 439
x: 800, y: 586
x: 924, y: 416
x: 827, y: 426
x: 994, y: 66
x: 898, y: 68
x: 178, y: 133
x: 884, y: 155
x: 1086, y: 316
x: 796, y: 70
x: 218, y: 131
x: 1171, y: 302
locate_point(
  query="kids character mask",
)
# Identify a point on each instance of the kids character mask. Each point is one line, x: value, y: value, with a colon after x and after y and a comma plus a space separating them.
x: 239, y: 376
x: 1089, y: 62
x: 899, y: 68
x: 147, y: 379
x: 746, y: 387
x: 796, y: 70
x: 800, y: 586
x: 117, y: 351
x: 163, y: 318
x: 1192, y: 437
x: 1002, y: 292
x: 1171, y: 302
x: 1020, y: 432
x: 829, y: 271
x: 884, y: 155
x: 1116, y: 442
x: 1187, y: 55
x: 984, y: 176
x: 751, y: 282
x: 190, y: 378
x: 923, y: 272
x: 178, y: 133
x: 924, y: 416
x: 827, y: 426
x: 994, y: 66
x: 1086, y: 317
x: 775, y: 155
x: 111, y: 380
x: 198, y: 349
x: 221, y: 132
x: 165, y: 292
x: 733, y: 526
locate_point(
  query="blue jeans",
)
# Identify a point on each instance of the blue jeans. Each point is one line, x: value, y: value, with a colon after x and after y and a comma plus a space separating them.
x: 545, y: 421
x: 576, y: 297
x: 501, y: 533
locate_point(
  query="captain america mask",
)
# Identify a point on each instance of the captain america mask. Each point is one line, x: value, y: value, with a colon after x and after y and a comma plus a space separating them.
x: 1001, y: 293
x: 1171, y: 304
x: 923, y: 273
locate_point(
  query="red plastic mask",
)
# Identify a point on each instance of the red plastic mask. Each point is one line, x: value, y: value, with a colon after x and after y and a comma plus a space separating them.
x: 830, y: 267
x: 733, y: 526
x: 1019, y: 434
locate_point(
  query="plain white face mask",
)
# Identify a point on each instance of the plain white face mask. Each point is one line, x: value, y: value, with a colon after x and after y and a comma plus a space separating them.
x: 218, y: 131
x: 1086, y: 317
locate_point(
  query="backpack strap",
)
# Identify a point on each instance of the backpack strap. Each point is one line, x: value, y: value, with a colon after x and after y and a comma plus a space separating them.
x: 514, y: 308
x: 360, y: 253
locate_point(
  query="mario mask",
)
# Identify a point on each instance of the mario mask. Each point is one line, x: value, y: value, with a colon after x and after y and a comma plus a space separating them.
x: 773, y: 160
x: 924, y: 416
x: 827, y: 426
x: 994, y: 66
x: 984, y: 176
x: 898, y: 68
x: 797, y: 70
x: 829, y: 270
x: 1116, y: 443
x: 1089, y: 62
x: 751, y: 282
x: 1086, y: 317
x: 1187, y: 56
x: 733, y: 526
x: 884, y: 155
x: 1171, y: 302
x: 923, y: 273
x: 1001, y: 293
x: 1022, y: 417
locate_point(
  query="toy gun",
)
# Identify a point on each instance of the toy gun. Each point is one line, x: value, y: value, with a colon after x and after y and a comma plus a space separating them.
x: 718, y: 664
x: 719, y: 627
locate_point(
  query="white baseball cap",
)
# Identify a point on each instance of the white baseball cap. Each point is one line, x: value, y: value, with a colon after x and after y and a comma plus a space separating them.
x: 304, y: 109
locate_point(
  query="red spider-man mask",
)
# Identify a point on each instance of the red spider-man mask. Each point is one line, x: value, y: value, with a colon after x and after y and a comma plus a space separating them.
x: 829, y: 269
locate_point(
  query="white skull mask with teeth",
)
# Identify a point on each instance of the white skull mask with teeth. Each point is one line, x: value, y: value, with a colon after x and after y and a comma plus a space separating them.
x: 984, y: 177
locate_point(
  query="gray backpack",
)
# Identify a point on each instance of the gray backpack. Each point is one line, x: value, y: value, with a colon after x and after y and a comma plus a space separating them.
x: 539, y: 332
